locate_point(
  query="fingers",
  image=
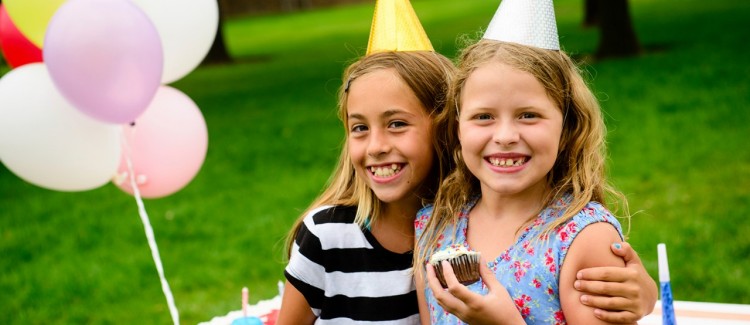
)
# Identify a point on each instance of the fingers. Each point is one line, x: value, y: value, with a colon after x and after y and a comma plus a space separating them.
x: 610, y: 303
x: 621, y: 317
x: 455, y: 288
x: 624, y: 250
x: 607, y: 273
x: 432, y: 280
x: 443, y: 297
x: 628, y: 290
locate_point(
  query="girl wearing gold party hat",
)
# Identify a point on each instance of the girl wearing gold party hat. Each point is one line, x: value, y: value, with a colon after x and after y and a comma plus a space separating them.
x: 529, y: 189
x: 350, y: 253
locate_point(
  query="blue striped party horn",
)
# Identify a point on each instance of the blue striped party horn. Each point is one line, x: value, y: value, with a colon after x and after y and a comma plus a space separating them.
x: 667, y: 307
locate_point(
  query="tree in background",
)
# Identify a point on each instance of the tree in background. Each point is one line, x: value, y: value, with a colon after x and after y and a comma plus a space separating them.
x: 218, y: 52
x: 617, y: 36
x: 291, y: 5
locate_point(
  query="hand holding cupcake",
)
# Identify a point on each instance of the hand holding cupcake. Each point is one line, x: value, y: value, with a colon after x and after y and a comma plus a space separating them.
x: 465, y: 264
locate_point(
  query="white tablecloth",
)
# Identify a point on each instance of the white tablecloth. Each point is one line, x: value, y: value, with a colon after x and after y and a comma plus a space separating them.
x: 261, y: 309
x: 702, y: 313
x: 688, y: 313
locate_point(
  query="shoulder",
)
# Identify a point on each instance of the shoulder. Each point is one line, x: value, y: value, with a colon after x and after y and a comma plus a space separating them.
x: 426, y: 210
x: 592, y: 213
x: 330, y: 214
x: 591, y: 232
x: 593, y: 228
x: 322, y: 220
x: 423, y: 215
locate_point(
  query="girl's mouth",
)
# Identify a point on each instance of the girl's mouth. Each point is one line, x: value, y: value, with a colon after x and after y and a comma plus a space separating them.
x: 507, y: 162
x: 385, y: 171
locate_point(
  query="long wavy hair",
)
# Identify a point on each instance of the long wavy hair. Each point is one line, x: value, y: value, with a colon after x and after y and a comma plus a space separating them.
x: 428, y: 75
x: 580, y: 165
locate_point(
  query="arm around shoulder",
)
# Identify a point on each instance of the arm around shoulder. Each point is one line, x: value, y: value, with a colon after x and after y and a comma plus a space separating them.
x: 590, y: 248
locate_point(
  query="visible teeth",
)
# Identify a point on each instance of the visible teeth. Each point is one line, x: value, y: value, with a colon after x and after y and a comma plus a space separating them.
x: 507, y: 162
x: 385, y: 171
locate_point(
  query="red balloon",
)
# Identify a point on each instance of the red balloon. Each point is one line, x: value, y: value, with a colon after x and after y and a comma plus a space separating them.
x: 16, y: 48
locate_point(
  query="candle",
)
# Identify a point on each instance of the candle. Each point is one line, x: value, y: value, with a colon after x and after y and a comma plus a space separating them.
x: 244, y: 301
x: 246, y: 320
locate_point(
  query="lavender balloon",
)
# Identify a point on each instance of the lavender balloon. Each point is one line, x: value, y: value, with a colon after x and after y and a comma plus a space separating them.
x: 105, y: 57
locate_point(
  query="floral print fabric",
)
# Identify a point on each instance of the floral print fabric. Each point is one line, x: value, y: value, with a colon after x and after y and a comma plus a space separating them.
x: 530, y: 269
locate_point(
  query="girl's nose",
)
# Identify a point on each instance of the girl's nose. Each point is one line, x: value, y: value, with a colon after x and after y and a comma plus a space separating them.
x: 379, y: 143
x: 506, y: 134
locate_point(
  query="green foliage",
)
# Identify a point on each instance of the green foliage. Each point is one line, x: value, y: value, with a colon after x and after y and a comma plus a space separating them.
x: 677, y: 117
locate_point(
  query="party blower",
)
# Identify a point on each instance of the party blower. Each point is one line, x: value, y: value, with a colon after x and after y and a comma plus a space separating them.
x: 667, y: 307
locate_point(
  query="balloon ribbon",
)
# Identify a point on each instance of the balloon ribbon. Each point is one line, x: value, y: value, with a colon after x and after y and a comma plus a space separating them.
x: 150, y: 237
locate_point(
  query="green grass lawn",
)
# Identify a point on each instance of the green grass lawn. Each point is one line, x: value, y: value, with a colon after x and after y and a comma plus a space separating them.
x: 678, y: 120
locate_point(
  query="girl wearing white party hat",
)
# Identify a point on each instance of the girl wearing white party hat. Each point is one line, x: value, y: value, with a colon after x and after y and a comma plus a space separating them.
x: 350, y: 253
x: 529, y: 189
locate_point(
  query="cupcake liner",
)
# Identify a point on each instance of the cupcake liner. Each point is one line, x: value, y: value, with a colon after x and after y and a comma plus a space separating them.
x: 465, y: 267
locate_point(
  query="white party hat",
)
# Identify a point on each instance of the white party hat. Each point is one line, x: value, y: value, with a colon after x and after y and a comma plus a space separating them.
x: 395, y: 27
x: 527, y: 22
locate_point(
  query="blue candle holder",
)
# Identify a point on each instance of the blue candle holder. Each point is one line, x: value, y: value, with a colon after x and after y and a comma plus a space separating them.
x: 249, y: 320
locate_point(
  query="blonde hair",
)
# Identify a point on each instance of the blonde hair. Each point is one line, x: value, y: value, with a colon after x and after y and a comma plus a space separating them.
x: 428, y: 75
x: 579, y: 168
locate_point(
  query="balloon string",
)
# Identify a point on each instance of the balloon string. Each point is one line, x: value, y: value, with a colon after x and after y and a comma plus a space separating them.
x: 150, y: 236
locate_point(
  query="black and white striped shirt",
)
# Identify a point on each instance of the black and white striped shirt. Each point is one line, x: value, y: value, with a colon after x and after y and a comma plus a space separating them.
x: 347, y: 276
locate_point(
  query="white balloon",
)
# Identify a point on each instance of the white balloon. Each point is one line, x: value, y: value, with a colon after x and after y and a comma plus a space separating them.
x: 187, y: 29
x: 46, y: 141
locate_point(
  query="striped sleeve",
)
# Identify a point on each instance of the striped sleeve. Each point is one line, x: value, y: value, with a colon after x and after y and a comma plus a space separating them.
x: 305, y: 270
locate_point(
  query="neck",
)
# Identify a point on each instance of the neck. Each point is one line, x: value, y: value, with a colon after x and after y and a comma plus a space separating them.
x: 394, y: 228
x: 514, y: 206
x: 400, y: 215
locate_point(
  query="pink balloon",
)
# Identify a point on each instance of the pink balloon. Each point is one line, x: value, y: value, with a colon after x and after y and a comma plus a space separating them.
x: 167, y: 145
x: 105, y: 57
x: 16, y: 48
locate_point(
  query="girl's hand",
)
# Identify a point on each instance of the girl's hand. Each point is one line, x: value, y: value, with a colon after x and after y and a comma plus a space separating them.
x: 618, y: 294
x: 496, y: 307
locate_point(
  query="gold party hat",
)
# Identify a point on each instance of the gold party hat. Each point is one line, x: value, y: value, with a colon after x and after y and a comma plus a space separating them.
x: 527, y: 22
x: 395, y: 27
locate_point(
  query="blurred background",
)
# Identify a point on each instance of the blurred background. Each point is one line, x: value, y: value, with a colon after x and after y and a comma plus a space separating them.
x: 673, y: 78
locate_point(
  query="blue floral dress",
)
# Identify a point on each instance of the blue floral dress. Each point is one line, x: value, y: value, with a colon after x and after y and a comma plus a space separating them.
x: 530, y: 269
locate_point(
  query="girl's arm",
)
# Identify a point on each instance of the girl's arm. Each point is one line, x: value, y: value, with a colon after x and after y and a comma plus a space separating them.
x: 424, y: 312
x: 497, y: 307
x: 294, y: 308
x: 619, y: 295
x: 589, y: 249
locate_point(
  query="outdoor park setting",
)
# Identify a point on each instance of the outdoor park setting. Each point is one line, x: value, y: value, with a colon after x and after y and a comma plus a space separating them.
x: 677, y: 123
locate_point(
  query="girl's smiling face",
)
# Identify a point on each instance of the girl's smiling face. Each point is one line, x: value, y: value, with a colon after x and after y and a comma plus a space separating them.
x: 509, y: 130
x: 390, y: 136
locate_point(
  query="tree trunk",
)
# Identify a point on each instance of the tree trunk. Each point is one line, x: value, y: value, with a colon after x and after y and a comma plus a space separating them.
x: 590, y: 16
x: 218, y: 52
x: 617, y: 37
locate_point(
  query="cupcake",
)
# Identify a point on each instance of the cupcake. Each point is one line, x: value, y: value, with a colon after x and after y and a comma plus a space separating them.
x: 465, y: 264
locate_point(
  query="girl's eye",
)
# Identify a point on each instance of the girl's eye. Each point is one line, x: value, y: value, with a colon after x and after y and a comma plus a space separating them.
x: 483, y: 116
x: 397, y: 124
x: 528, y: 115
x: 358, y: 128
